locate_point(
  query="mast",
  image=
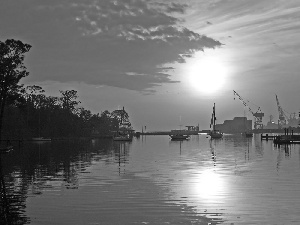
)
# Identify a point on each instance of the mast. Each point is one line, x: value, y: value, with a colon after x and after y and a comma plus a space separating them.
x: 282, y: 116
x: 213, y: 118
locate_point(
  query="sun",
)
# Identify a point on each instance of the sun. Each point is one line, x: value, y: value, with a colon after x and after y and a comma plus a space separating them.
x: 207, y: 75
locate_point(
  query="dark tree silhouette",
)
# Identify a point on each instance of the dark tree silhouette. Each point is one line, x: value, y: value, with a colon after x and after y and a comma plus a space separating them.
x: 69, y: 100
x: 12, y: 69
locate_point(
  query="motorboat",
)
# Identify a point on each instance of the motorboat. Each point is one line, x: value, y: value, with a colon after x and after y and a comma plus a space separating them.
x: 179, y: 137
x: 126, y: 137
x: 41, y: 139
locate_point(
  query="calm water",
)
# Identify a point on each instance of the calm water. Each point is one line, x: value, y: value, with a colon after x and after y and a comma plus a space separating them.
x: 152, y: 181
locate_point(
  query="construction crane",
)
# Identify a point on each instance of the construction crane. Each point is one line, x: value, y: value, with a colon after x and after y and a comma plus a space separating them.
x: 282, y: 116
x: 286, y: 119
x: 258, y: 115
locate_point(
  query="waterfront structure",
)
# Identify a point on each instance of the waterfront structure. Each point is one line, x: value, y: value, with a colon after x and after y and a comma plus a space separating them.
x: 193, y: 128
x: 237, y: 125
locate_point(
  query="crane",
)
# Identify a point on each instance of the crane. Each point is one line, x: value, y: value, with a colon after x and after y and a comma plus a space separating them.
x: 258, y: 115
x: 286, y: 119
x: 282, y: 116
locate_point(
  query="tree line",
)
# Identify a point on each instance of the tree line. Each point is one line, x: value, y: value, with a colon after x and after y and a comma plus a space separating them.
x: 26, y: 111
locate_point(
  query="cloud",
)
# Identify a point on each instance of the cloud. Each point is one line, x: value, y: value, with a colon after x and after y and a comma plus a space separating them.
x: 99, y: 42
x: 171, y: 7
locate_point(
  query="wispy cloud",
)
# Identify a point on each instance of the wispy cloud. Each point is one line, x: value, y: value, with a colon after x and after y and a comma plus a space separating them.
x: 101, y: 41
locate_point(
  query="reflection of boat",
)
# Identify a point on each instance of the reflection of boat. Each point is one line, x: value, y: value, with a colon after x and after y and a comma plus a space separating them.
x: 179, y: 136
x: 41, y: 139
x: 214, y: 133
x: 6, y: 149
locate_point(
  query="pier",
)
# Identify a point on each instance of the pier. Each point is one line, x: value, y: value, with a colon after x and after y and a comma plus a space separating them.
x: 288, y: 138
x: 267, y: 137
x: 187, y: 132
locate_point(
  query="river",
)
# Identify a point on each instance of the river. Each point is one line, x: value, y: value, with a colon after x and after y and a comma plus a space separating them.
x: 152, y: 180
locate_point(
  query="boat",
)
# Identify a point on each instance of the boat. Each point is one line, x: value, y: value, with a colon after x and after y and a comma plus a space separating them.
x: 248, y: 134
x: 6, y: 149
x: 124, y: 130
x: 41, y: 139
x: 123, y: 137
x: 179, y: 137
x: 214, y: 134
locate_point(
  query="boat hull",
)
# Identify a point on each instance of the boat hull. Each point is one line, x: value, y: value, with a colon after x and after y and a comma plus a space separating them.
x: 248, y: 135
x: 122, y: 138
x: 179, y: 137
x: 41, y: 139
x: 215, y: 135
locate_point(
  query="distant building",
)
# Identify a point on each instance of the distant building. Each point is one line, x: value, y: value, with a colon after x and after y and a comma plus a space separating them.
x: 192, y: 128
x: 189, y: 128
x: 271, y: 125
x: 237, y: 125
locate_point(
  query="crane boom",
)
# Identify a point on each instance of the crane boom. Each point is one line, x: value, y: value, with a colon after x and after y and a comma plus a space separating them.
x: 258, y: 115
x: 281, y: 118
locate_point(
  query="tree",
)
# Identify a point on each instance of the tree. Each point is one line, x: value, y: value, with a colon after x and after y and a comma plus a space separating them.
x: 12, y: 69
x: 69, y: 100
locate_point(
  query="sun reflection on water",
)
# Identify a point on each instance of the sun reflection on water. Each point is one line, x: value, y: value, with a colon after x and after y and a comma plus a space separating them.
x: 209, y: 185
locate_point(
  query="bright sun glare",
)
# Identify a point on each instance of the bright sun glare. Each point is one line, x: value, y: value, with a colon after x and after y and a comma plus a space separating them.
x: 209, y: 185
x: 208, y: 75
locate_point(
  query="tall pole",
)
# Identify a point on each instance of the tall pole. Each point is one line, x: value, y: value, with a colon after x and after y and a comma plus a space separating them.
x: 214, y: 116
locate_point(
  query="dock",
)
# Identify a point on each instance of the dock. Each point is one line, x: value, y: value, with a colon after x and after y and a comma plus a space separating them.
x: 185, y: 132
x: 287, y: 139
x: 267, y: 137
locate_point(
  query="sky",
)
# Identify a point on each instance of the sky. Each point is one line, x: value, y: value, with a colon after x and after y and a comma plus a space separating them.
x: 167, y: 62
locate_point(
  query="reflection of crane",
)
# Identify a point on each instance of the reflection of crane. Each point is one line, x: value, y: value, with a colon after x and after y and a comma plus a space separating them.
x: 282, y: 116
x: 258, y: 115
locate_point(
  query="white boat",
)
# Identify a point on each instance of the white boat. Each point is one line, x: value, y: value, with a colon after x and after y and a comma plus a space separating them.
x: 214, y: 133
